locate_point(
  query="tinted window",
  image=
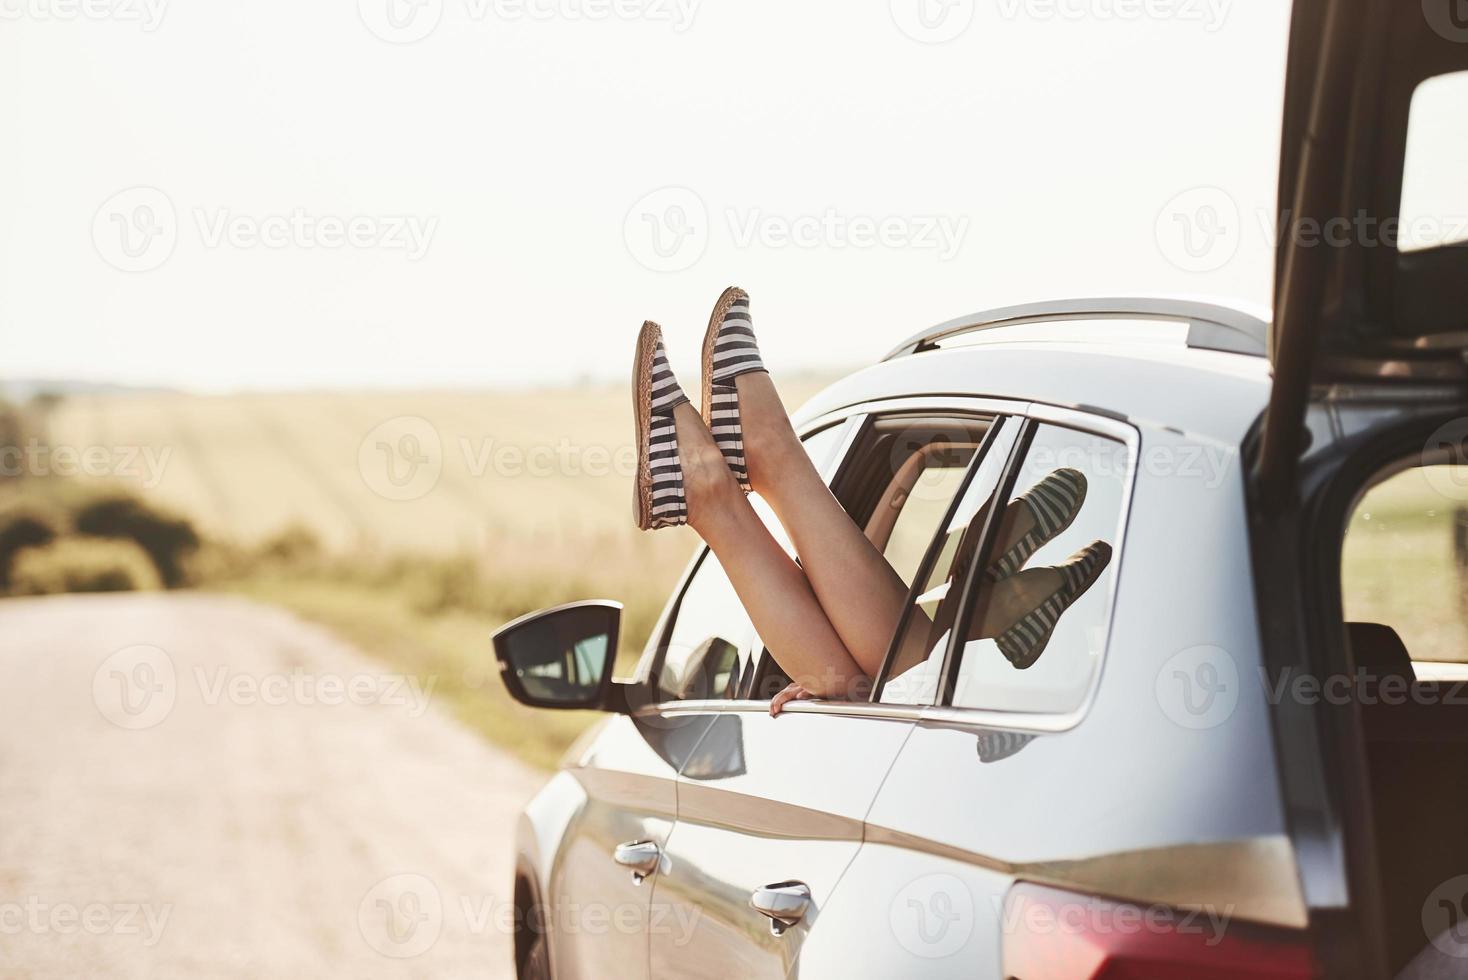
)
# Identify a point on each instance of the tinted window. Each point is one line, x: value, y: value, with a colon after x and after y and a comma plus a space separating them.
x: 918, y: 658
x: 897, y: 483
x: 1405, y: 560
x: 911, y: 468
x: 1043, y: 597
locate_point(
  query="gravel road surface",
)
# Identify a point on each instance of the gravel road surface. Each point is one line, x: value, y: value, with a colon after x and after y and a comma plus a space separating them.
x: 196, y: 786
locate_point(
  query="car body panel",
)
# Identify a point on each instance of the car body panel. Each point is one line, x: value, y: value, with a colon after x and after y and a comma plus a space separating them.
x: 1226, y: 392
x: 755, y: 809
x: 1158, y: 794
x: 620, y: 788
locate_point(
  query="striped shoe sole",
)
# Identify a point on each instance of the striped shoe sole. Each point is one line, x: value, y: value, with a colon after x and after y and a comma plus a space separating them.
x: 1023, y: 642
x: 1054, y: 503
x: 658, y: 498
x: 729, y: 350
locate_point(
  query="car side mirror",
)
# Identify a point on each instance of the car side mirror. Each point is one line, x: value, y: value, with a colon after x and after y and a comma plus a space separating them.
x: 561, y: 657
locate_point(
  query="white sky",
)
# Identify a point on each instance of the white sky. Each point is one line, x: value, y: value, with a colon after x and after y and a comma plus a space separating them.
x: 1055, y: 144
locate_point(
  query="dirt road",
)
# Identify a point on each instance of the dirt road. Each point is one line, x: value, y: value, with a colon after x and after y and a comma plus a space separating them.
x: 197, y: 786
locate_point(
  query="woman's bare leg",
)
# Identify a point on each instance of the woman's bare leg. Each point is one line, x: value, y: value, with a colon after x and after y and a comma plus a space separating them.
x: 862, y: 596
x: 774, y: 591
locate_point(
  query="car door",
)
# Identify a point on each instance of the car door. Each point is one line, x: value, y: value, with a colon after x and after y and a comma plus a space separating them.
x: 602, y: 904
x: 1372, y: 258
x: 1050, y: 818
x: 771, y: 810
x: 622, y: 795
x: 1368, y: 350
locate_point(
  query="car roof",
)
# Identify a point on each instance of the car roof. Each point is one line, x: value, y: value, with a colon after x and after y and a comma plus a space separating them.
x: 1208, y: 394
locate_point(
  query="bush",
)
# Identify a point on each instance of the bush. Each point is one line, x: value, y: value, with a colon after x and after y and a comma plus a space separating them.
x: 295, y: 545
x: 83, y: 565
x: 24, y: 526
x: 168, y: 540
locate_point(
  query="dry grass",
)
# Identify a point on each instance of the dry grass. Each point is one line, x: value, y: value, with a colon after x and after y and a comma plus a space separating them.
x: 545, y: 468
x: 531, y: 507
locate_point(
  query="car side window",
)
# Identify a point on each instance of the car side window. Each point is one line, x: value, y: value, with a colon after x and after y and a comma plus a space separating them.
x: 1404, y: 568
x: 1037, y: 622
x: 911, y: 676
x: 902, y: 479
x: 711, y: 644
x: 708, y: 640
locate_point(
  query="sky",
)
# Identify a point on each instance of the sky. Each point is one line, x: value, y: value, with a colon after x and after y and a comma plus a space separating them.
x: 276, y: 194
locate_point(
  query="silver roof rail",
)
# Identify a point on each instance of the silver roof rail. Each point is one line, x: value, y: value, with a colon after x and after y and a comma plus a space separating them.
x: 1210, y: 327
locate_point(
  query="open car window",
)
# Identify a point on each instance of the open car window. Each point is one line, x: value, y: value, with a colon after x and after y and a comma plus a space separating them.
x: 711, y: 648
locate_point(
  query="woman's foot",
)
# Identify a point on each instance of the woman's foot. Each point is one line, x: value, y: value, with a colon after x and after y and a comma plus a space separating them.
x: 681, y: 474
x: 658, y: 498
x: 740, y: 404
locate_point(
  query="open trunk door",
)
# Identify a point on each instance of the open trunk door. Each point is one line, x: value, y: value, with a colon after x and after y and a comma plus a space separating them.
x: 1372, y: 266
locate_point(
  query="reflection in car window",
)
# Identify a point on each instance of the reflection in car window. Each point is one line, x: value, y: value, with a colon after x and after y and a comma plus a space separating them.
x: 1043, y: 599
x: 919, y: 654
x: 712, y: 645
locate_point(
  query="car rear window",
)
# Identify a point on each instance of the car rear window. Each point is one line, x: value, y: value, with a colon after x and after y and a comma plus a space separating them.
x: 1404, y: 562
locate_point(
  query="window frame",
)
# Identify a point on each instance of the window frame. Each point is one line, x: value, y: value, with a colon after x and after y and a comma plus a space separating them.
x: 1024, y: 413
x: 1104, y: 427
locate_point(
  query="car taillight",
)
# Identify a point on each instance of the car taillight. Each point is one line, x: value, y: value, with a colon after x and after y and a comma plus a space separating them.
x: 1051, y: 934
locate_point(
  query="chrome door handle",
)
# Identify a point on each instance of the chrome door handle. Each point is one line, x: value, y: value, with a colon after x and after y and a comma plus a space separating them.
x: 640, y: 855
x: 785, y: 904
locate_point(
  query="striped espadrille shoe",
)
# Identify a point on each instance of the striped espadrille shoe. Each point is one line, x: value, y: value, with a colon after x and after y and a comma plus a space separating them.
x: 1023, y: 642
x: 658, y: 500
x: 729, y: 350
x: 1054, y: 503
